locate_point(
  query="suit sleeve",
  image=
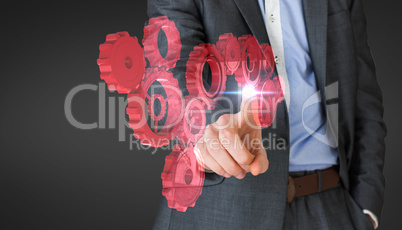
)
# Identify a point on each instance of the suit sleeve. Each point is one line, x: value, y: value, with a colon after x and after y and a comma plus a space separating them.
x: 366, y: 172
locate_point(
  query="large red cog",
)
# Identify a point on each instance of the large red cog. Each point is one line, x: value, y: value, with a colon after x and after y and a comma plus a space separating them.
x: 151, y: 47
x: 249, y: 71
x: 182, y: 178
x: 158, y: 136
x: 121, y: 62
x: 201, y: 55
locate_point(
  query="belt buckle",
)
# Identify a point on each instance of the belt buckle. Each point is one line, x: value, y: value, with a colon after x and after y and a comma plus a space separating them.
x: 291, y: 190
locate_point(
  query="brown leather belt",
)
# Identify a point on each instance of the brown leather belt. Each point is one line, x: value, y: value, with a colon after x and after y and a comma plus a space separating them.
x: 312, y: 183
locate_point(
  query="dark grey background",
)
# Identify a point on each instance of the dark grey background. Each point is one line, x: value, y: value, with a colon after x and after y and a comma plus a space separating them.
x: 54, y: 176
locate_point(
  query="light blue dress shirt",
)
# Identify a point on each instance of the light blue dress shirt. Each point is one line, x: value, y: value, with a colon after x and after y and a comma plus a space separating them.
x: 306, y: 152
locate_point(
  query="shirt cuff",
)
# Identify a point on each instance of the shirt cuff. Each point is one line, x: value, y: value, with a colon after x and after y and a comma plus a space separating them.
x: 374, y: 217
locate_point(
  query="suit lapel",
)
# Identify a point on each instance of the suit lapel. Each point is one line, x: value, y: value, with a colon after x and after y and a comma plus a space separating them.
x: 252, y: 15
x: 315, y: 16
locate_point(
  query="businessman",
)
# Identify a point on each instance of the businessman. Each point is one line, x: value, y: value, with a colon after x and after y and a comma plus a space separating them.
x: 327, y: 173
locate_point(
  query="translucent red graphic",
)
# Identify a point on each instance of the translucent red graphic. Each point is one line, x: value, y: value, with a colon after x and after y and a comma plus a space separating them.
x: 121, y: 62
x: 206, y: 54
x: 182, y: 178
x: 150, y: 42
x: 158, y: 111
x: 249, y: 72
x: 194, y: 122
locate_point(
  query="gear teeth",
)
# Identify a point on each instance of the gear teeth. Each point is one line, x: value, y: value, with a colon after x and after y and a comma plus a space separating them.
x: 192, y: 85
x: 134, y: 114
x: 175, y: 205
x: 105, y: 66
x: 112, y: 37
x: 170, y: 160
x: 150, y: 42
x: 167, y: 180
x: 167, y: 192
x: 104, y: 51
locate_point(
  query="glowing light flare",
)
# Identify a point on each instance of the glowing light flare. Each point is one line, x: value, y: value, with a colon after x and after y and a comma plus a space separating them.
x: 249, y: 92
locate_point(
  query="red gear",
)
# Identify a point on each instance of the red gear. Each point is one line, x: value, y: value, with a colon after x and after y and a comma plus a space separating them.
x: 136, y: 110
x: 121, y: 62
x: 150, y: 42
x: 194, y: 122
x: 267, y: 101
x: 182, y: 178
x: 251, y: 62
x: 267, y: 104
x: 268, y: 60
x: 205, y: 53
x: 230, y: 50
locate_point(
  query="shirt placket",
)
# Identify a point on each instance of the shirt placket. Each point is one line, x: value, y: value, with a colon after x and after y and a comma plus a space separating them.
x: 274, y: 29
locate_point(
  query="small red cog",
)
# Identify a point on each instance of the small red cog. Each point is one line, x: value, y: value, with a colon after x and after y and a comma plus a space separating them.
x: 159, y: 134
x: 270, y: 95
x: 230, y: 50
x: 201, y: 55
x: 151, y: 47
x: 249, y: 71
x: 121, y: 62
x: 182, y: 178
x: 194, y: 121
x: 267, y: 104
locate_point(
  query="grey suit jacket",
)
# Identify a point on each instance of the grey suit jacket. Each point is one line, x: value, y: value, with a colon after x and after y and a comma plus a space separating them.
x: 336, y: 31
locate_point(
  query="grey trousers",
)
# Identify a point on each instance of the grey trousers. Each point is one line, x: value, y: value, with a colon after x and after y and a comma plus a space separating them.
x: 330, y: 209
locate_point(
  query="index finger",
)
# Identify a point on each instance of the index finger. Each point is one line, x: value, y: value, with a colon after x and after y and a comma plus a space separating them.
x: 231, y: 141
